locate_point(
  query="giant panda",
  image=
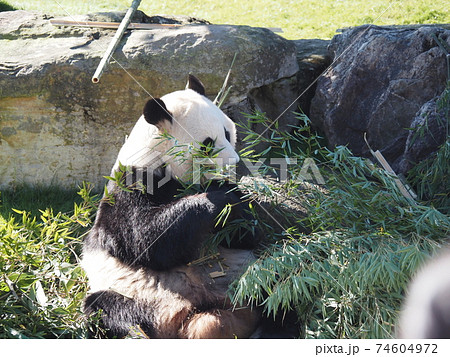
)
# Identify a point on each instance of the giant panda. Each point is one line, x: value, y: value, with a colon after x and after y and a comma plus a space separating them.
x: 426, y: 309
x: 138, y: 255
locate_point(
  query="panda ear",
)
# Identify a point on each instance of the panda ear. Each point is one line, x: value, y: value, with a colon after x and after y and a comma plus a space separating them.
x: 196, y: 85
x: 155, y: 112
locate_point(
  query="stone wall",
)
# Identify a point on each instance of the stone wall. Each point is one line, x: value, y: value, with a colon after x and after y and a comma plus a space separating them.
x: 58, y: 128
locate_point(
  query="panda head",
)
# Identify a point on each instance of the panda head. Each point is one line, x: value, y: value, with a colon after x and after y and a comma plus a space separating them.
x: 177, y: 123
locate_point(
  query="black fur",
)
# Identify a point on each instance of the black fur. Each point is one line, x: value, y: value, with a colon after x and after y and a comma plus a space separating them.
x: 119, y: 313
x: 440, y: 316
x: 156, y: 230
x: 284, y: 326
x: 155, y: 112
x: 196, y: 85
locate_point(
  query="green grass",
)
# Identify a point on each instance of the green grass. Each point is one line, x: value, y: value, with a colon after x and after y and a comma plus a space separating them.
x: 35, y: 198
x: 41, y: 282
x: 298, y: 19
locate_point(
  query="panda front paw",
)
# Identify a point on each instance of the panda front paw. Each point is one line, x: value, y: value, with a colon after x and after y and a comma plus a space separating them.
x: 245, y: 232
x: 222, y: 198
x: 244, y: 238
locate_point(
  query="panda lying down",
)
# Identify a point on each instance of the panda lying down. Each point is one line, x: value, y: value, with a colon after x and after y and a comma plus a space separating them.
x: 136, y: 255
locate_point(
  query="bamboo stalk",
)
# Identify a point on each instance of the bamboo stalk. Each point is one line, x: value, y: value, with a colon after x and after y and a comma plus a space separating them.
x: 404, y: 189
x: 111, y: 25
x: 204, y: 259
x: 115, y: 41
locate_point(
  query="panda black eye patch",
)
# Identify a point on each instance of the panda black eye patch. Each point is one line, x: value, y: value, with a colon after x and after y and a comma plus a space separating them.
x: 227, y: 135
x: 208, y: 144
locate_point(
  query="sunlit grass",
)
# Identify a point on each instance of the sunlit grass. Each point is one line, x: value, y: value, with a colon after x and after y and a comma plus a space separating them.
x: 41, y: 282
x: 298, y: 19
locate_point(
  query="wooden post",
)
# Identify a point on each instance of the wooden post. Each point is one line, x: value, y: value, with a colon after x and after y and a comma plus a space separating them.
x: 115, y: 41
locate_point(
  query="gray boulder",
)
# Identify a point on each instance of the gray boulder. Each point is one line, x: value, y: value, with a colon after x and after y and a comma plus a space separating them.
x: 428, y: 132
x: 281, y: 100
x: 57, y: 127
x: 379, y: 80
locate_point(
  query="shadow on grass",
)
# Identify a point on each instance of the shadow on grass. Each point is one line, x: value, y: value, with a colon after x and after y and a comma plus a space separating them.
x: 4, y: 6
x: 35, y: 198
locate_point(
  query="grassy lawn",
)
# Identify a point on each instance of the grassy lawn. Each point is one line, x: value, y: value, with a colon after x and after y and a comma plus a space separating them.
x: 298, y: 19
x: 33, y: 199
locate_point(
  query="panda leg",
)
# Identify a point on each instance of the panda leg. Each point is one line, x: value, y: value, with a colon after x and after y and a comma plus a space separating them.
x: 118, y: 314
x: 219, y: 323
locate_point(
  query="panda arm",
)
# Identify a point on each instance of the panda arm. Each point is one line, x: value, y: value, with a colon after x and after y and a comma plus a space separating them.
x: 243, y: 237
x: 159, y: 237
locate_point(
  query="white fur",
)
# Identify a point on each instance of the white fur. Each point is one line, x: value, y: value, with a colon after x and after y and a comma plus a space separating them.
x: 415, y: 318
x: 170, y: 293
x: 194, y: 118
x: 107, y: 273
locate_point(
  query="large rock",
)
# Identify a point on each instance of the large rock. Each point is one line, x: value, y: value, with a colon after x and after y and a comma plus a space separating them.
x: 428, y: 132
x: 58, y: 127
x: 380, y: 78
x: 281, y: 100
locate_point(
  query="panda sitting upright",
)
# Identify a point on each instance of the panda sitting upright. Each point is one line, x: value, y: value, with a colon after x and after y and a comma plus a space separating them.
x: 138, y: 252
